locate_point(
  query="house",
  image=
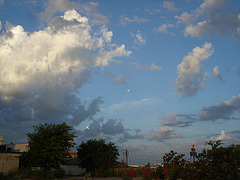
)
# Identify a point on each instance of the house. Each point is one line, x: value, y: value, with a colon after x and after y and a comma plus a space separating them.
x: 9, y: 154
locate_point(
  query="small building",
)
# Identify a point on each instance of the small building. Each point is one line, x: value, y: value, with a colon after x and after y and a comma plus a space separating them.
x: 9, y: 156
x: 72, y: 168
x: 9, y: 161
x: 19, y: 147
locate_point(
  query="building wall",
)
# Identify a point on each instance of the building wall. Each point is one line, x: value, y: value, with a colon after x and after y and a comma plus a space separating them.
x: 21, y: 147
x: 73, y: 170
x: 8, y: 162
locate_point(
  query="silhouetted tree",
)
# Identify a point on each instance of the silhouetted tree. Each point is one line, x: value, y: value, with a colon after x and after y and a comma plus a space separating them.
x: 97, y: 155
x: 49, y: 145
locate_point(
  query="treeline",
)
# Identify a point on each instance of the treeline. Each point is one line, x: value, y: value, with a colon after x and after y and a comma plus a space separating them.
x: 50, y: 144
x: 214, y: 163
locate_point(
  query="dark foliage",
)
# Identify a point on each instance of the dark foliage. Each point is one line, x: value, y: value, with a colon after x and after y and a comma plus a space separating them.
x: 49, y: 145
x: 97, y: 156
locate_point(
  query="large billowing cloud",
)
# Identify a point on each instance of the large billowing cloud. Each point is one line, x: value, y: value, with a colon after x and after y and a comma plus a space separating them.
x: 216, y: 18
x: 40, y: 71
x: 190, y: 78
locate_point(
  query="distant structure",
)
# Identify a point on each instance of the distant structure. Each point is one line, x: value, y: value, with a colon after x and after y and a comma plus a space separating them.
x: 193, y: 154
x: 9, y: 154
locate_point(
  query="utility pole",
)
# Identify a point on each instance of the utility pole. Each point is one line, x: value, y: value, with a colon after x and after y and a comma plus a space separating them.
x: 126, y: 153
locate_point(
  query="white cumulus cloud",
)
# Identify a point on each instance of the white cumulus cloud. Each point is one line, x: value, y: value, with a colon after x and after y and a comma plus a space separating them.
x: 47, y: 59
x: 190, y: 78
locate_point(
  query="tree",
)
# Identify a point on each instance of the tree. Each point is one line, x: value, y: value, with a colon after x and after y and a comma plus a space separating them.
x: 97, y: 156
x: 49, y: 145
x: 173, y: 164
x: 223, y: 162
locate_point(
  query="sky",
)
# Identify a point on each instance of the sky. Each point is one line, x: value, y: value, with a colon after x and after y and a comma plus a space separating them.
x: 150, y: 76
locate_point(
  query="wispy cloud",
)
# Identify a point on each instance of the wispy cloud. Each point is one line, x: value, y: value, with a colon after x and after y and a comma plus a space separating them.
x: 126, y: 20
x: 153, y: 67
x: 121, y: 80
x: 131, y: 104
x: 169, y: 5
x: 216, y: 73
x: 181, y: 120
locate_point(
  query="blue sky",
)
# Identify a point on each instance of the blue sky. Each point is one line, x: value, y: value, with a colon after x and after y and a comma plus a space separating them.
x: 151, y: 76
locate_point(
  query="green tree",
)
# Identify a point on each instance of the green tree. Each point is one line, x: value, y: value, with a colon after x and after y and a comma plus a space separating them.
x: 215, y: 163
x: 222, y: 162
x: 173, y: 164
x: 49, y: 145
x: 97, y: 156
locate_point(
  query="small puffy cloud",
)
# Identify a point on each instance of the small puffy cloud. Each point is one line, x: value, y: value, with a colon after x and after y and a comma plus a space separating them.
x: 216, y: 73
x: 190, y: 78
x: 186, y: 18
x: 1, y: 2
x: 169, y: 5
x: 224, y: 110
x: 139, y: 38
x: 171, y: 117
x: 164, y: 28
x: 163, y: 133
x: 153, y: 67
x: 126, y: 20
x: 121, y: 79
x: 54, y: 6
x: 223, y: 136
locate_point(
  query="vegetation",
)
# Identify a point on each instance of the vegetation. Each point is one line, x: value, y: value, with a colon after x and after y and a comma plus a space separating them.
x: 98, y: 157
x: 49, y: 145
x: 215, y: 163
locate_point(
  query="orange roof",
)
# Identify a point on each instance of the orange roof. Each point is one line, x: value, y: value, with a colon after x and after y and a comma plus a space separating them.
x: 72, y: 153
